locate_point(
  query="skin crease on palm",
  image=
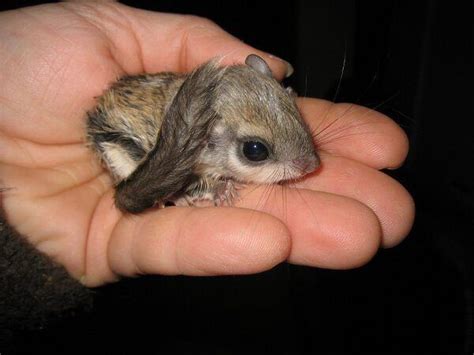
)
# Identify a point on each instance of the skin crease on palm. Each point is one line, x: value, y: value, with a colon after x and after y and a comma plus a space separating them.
x: 57, y: 58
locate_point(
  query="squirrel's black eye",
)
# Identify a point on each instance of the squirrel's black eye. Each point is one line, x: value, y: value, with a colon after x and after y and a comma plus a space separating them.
x: 255, y: 151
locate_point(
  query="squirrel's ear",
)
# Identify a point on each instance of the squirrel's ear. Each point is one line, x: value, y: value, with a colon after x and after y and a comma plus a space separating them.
x: 259, y: 64
x: 169, y: 167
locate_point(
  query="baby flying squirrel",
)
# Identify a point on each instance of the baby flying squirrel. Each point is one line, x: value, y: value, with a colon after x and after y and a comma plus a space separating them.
x: 182, y: 139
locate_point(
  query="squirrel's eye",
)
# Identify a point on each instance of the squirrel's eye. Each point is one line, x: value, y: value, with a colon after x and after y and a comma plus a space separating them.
x: 255, y: 151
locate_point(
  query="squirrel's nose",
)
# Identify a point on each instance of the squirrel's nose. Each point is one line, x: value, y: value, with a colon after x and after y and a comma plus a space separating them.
x: 307, y: 164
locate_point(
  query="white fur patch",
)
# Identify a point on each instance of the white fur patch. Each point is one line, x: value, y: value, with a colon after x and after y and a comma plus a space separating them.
x: 118, y: 160
x: 267, y: 173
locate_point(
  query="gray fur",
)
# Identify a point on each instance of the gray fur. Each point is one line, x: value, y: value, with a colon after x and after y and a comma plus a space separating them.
x: 179, y: 138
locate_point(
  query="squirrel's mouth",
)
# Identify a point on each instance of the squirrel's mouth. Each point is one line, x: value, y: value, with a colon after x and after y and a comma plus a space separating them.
x: 275, y: 173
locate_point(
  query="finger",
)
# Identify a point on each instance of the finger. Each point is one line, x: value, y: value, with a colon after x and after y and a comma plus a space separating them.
x: 392, y: 204
x: 327, y: 230
x: 196, y: 241
x: 168, y: 42
x: 355, y: 132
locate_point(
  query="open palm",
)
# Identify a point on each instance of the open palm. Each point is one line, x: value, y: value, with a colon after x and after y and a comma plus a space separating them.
x: 57, y: 58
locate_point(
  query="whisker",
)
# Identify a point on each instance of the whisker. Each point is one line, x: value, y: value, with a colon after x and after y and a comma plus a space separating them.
x: 342, y: 72
x: 285, y: 194
x: 321, y: 145
x: 342, y: 132
x: 411, y: 125
x: 318, y: 136
x: 305, y: 83
x: 285, y: 203
x: 264, y: 196
x: 343, y: 68
x: 314, y: 219
x: 315, y: 129
x: 386, y: 101
x: 254, y: 216
x: 350, y: 107
x: 404, y: 115
x: 266, y: 192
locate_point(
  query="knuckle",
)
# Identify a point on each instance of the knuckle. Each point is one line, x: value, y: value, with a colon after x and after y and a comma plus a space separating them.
x: 199, y: 22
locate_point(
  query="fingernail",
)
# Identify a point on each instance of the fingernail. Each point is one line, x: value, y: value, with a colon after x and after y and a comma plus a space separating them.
x: 289, y: 67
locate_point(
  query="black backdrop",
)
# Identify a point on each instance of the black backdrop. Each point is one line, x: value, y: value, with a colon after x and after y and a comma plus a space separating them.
x: 410, y: 60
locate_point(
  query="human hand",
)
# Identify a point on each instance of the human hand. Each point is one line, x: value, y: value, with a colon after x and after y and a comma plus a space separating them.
x: 57, y: 58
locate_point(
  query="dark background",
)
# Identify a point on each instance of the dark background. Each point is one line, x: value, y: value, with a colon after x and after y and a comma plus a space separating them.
x: 409, y: 60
